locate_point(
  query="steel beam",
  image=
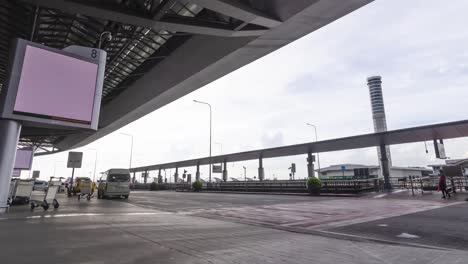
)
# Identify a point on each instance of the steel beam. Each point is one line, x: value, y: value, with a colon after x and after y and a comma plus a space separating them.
x: 162, y: 8
x: 187, y: 26
x: 239, y: 11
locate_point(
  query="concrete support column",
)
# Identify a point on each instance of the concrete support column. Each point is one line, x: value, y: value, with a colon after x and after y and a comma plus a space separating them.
x: 9, y: 136
x: 261, y: 171
x: 176, y: 175
x: 225, y: 172
x: 160, y: 178
x: 385, y: 167
x: 197, y: 174
x: 310, y: 165
x: 145, y: 177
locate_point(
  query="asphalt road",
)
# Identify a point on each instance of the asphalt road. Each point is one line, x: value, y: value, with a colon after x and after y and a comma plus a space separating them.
x: 443, y: 227
x: 180, y: 201
x: 183, y: 231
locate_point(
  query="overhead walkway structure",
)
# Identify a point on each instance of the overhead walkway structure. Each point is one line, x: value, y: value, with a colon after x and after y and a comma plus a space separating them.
x: 160, y: 50
x: 408, y: 135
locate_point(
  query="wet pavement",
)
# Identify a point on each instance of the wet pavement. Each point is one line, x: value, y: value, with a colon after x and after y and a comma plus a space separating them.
x: 170, y: 227
x: 444, y: 227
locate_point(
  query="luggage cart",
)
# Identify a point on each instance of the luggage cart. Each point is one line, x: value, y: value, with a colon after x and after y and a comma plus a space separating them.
x: 85, y: 190
x: 22, y: 190
x: 49, y: 197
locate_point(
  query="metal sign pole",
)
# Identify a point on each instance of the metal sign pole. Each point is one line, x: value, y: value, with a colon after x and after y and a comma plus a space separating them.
x: 73, y: 175
x: 70, y: 184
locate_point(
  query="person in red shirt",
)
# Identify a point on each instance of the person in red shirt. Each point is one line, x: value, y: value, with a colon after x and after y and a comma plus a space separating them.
x: 443, y: 185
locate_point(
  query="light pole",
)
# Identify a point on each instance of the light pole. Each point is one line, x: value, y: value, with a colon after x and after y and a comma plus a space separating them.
x: 131, y: 147
x: 95, y: 162
x: 245, y: 173
x: 316, y: 139
x: 109, y: 37
x: 200, y: 102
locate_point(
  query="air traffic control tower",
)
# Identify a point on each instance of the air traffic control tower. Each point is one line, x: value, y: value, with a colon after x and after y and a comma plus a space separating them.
x: 378, y: 113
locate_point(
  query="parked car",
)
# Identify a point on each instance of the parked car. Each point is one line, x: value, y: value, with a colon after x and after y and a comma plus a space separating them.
x: 78, y: 181
x: 40, y: 185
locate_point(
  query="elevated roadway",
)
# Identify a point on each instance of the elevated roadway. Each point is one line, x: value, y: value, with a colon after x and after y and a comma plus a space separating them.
x: 393, y: 137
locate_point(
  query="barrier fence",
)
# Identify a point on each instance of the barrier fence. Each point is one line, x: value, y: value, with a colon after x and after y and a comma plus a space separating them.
x: 458, y: 183
x: 286, y: 186
x: 414, y: 183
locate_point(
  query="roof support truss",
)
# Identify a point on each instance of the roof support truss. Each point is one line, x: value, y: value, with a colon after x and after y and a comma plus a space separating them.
x: 237, y: 10
x: 177, y: 25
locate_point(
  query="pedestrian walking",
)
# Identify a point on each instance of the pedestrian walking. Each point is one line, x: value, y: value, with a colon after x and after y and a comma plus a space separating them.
x: 443, y: 185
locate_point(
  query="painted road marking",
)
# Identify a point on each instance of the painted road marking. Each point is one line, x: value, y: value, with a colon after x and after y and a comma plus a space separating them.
x: 406, y: 235
x: 84, y: 214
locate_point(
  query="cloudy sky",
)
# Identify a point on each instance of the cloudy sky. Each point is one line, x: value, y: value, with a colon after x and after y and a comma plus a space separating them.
x: 417, y: 46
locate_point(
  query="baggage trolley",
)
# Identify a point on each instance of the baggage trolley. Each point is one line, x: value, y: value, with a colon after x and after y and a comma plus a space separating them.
x: 49, y: 197
x: 85, y: 190
x: 21, y: 193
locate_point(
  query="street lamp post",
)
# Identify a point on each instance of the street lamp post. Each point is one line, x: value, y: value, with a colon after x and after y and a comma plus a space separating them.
x: 316, y: 139
x: 131, y: 148
x: 245, y: 173
x: 109, y: 37
x: 200, y: 102
x: 95, y: 162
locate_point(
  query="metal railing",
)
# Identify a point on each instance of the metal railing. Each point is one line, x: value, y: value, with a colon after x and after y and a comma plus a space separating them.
x: 294, y: 186
x: 421, y: 184
x: 159, y: 186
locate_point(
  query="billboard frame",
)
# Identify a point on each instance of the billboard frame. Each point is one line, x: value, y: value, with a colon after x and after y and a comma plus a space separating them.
x: 31, y: 150
x: 10, y: 89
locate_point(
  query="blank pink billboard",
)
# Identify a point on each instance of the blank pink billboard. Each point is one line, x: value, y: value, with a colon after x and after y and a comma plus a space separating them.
x: 24, y: 158
x: 69, y: 83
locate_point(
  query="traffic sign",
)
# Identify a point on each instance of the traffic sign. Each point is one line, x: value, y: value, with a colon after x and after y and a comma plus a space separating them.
x: 74, y: 159
x: 36, y: 174
x: 16, y: 173
x: 217, y: 169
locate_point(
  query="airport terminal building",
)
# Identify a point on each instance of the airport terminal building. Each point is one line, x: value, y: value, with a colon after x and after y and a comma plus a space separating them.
x: 348, y: 171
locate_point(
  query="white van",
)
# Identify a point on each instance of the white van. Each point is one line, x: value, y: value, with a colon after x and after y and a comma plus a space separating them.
x: 114, y: 183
